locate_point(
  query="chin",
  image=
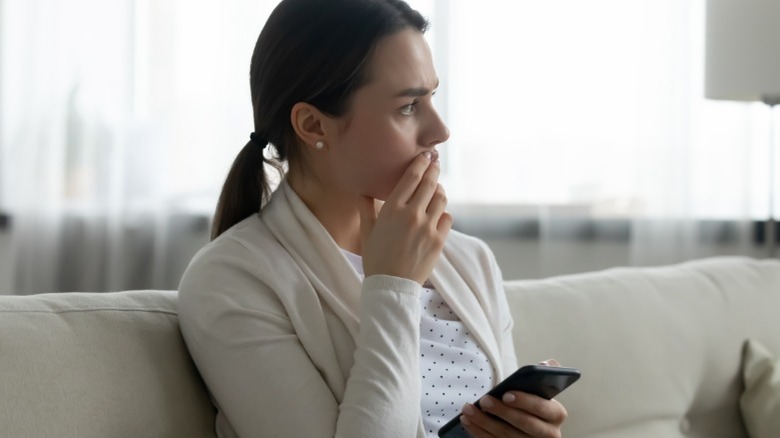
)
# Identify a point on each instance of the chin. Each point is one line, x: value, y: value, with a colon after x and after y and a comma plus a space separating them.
x: 382, y: 189
x: 380, y: 196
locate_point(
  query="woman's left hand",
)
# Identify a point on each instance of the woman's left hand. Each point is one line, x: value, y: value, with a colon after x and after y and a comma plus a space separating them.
x: 524, y: 415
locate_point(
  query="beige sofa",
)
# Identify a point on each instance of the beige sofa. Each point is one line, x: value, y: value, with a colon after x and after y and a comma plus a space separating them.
x: 660, y: 351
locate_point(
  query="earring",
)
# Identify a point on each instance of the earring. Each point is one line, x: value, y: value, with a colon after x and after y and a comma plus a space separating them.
x: 319, y: 145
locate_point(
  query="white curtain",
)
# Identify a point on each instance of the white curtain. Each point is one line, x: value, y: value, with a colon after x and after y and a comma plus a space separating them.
x: 64, y: 136
x: 589, y: 119
x: 119, y: 120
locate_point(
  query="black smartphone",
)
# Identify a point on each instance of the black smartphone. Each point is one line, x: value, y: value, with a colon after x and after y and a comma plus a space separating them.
x: 544, y: 381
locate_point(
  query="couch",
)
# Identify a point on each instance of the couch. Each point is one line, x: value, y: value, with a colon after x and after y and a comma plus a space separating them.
x: 660, y: 349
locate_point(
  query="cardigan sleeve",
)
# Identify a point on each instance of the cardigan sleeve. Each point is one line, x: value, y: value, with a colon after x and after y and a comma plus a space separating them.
x: 383, y: 392
x: 260, y: 376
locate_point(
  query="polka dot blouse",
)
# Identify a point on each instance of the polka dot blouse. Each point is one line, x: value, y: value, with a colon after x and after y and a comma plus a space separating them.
x: 454, y: 369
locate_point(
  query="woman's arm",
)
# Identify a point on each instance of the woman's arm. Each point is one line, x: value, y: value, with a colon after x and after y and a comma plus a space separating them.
x: 383, y: 391
x: 261, y: 377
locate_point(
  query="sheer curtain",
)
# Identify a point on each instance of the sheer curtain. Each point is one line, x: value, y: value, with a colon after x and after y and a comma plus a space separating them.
x: 587, y: 119
x: 120, y: 120
x: 64, y: 136
x: 580, y: 137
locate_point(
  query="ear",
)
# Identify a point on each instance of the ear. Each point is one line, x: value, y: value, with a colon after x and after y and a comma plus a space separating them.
x: 309, y: 123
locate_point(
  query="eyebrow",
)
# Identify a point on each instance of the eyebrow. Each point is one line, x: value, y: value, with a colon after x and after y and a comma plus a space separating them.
x: 415, y: 92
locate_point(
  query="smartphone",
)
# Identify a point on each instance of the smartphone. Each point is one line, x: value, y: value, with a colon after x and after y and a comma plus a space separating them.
x: 544, y: 381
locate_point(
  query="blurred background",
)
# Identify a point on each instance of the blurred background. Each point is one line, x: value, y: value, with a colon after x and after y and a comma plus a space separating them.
x: 580, y: 135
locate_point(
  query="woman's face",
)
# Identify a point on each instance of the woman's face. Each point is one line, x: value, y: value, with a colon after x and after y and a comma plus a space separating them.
x: 391, y: 119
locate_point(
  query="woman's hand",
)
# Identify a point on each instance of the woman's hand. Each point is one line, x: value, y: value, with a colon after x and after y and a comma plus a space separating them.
x: 407, y: 236
x: 524, y: 415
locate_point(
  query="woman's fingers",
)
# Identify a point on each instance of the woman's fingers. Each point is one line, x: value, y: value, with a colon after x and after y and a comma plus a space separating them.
x: 408, y: 183
x: 426, y: 188
x: 437, y: 203
x: 526, y: 415
x: 549, y: 411
x: 481, y: 425
x: 529, y: 413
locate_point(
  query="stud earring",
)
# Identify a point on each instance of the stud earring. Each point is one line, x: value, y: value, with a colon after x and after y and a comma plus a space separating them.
x: 319, y: 145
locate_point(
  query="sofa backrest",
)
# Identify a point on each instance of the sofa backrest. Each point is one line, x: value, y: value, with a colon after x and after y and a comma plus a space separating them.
x: 659, y: 348
x: 92, y: 365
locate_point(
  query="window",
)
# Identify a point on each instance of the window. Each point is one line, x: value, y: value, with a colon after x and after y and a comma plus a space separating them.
x: 595, y: 105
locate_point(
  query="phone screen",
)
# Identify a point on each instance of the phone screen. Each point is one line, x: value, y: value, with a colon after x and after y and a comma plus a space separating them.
x: 544, y: 381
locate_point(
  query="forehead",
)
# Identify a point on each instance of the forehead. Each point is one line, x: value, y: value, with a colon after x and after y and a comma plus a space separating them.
x: 400, y: 61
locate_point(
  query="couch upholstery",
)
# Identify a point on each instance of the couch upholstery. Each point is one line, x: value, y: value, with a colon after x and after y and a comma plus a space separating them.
x: 98, y: 365
x: 659, y: 349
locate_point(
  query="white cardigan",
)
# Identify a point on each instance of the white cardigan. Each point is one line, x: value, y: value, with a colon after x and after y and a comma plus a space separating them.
x: 291, y: 343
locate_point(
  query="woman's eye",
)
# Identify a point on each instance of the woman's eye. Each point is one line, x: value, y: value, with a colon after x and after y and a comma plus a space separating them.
x: 408, y: 110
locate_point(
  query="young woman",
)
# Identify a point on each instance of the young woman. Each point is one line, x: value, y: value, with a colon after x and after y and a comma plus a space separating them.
x: 341, y: 304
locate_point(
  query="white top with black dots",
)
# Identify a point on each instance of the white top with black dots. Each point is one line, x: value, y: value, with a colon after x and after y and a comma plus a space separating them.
x: 454, y: 369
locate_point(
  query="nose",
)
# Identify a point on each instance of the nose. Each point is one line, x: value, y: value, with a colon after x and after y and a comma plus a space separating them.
x: 437, y: 131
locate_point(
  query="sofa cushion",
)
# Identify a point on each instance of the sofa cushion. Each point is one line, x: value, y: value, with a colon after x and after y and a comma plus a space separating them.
x: 659, y: 348
x: 760, y: 402
x: 98, y: 365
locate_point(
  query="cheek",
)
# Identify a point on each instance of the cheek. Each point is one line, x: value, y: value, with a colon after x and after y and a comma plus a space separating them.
x: 382, y: 168
x: 380, y: 158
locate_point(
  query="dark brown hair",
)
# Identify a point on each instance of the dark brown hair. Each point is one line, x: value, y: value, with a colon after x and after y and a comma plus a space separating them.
x: 312, y: 51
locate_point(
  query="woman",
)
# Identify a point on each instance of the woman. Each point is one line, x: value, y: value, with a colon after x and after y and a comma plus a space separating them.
x: 342, y: 304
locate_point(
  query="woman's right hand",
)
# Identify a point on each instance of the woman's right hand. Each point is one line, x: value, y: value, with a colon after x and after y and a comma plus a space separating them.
x: 406, y: 237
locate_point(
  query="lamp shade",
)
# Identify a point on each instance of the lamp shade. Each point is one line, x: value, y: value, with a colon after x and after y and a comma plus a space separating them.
x: 743, y: 50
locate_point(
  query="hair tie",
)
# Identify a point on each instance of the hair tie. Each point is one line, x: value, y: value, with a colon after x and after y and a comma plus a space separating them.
x: 257, y: 140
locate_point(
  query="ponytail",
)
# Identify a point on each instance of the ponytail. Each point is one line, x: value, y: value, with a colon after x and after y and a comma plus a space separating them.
x: 245, y: 191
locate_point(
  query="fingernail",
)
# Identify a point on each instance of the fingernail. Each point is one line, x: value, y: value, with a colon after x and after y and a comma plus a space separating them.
x: 427, y: 155
x: 468, y: 409
x: 486, y: 402
x: 465, y: 420
x: 434, y: 155
x: 508, y: 397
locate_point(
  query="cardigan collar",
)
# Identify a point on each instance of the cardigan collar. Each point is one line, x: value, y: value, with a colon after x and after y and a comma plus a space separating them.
x: 338, y: 284
x: 316, y: 253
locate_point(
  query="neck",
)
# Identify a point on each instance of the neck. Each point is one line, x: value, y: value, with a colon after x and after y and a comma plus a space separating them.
x: 337, y: 211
